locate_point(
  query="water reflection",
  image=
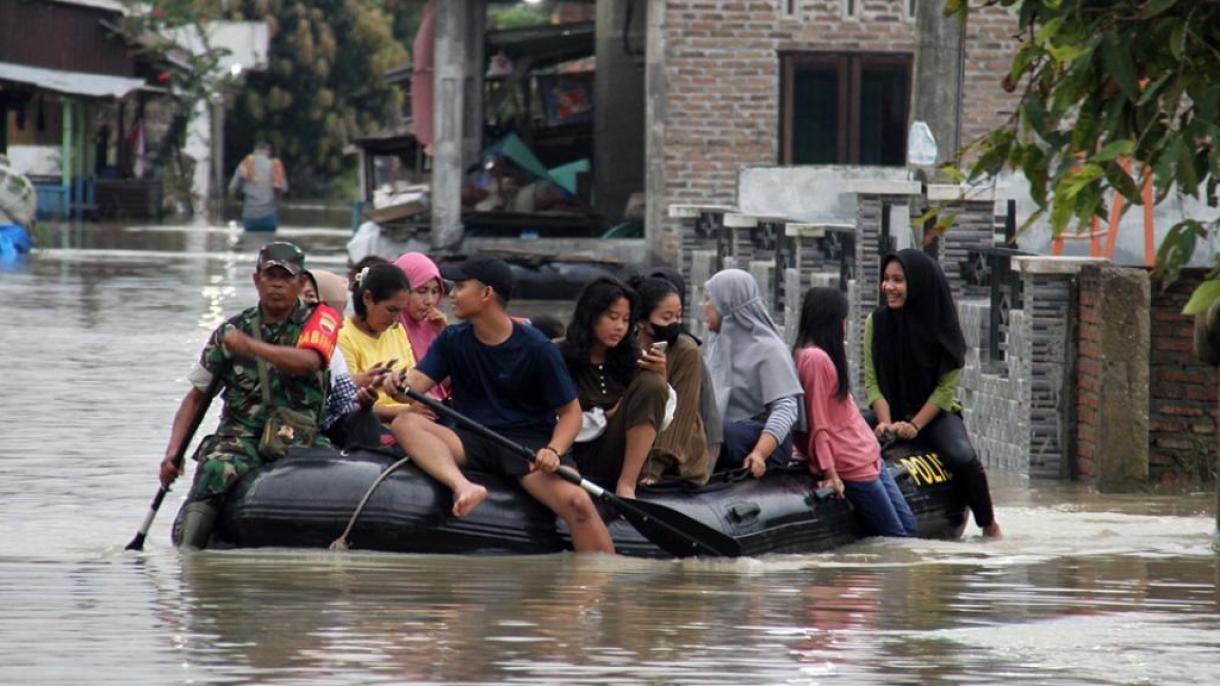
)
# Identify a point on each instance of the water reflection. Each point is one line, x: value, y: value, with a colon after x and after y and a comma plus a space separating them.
x: 564, y: 619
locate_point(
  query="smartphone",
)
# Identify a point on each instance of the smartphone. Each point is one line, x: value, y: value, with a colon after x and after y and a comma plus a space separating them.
x: 660, y: 346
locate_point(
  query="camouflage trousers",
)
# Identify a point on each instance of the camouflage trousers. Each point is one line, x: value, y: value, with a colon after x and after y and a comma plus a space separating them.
x: 223, y: 461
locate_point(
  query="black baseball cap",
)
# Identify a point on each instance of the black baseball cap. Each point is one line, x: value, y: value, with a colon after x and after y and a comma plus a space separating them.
x: 490, y: 271
x: 281, y: 254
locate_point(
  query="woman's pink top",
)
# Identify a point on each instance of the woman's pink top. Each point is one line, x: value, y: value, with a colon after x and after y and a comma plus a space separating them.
x: 838, y: 434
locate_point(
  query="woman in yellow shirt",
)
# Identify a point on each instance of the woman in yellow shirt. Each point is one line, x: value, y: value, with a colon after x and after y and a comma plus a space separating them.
x: 374, y: 341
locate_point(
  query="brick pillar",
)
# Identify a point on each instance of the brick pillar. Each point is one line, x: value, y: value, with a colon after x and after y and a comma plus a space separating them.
x: 700, y: 231
x: 1182, y: 413
x: 794, y: 290
x: 735, y: 247
x: 1088, y: 375
x: 1049, y: 354
x: 1112, y: 386
x: 973, y: 228
x: 763, y: 272
x: 703, y: 265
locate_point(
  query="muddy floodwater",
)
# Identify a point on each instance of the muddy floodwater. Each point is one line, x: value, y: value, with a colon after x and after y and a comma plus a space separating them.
x: 99, y: 331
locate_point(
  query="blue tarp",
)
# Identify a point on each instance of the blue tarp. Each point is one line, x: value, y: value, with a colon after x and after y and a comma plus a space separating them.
x: 14, y: 241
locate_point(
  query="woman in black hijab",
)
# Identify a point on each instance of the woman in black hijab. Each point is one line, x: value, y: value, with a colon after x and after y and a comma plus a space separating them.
x: 915, y: 355
x: 713, y: 426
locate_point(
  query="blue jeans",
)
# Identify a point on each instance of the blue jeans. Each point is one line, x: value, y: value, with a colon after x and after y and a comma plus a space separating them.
x: 739, y: 439
x: 269, y: 223
x: 881, y: 505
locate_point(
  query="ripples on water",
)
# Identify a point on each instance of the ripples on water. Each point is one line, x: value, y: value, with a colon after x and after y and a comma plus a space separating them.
x: 97, y: 344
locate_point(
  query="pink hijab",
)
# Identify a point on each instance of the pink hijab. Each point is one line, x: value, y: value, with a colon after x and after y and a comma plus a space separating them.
x: 419, y: 270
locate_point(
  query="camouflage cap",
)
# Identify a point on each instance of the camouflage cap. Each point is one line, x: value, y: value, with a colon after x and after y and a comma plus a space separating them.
x: 281, y: 254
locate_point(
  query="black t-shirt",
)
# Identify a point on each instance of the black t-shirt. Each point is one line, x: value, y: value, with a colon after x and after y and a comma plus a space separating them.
x: 514, y: 386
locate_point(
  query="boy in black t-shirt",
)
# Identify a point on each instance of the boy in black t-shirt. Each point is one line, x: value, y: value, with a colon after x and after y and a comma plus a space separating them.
x: 508, y: 377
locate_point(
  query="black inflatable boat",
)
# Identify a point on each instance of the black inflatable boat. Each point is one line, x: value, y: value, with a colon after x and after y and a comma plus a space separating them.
x: 306, y: 500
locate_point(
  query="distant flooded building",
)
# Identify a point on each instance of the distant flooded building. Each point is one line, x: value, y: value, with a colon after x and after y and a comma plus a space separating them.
x: 72, y: 98
x: 84, y: 109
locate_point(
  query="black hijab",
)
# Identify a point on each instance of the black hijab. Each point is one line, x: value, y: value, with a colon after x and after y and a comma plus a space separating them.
x: 671, y: 275
x: 916, y: 345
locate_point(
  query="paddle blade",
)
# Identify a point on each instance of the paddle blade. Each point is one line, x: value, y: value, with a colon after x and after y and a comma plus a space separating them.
x: 674, y: 532
x: 137, y: 543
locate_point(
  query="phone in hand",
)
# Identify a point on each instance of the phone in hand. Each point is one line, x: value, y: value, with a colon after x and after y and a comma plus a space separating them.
x: 660, y: 346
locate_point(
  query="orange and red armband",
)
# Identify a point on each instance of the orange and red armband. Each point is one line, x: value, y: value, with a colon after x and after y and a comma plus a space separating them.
x: 321, y: 332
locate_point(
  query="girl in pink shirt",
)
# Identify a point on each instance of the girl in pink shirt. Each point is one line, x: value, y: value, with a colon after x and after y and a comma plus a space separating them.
x: 839, y: 444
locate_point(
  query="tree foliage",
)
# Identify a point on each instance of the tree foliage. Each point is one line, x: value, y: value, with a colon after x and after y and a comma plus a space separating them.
x: 518, y: 16
x: 1111, y: 91
x: 325, y: 83
x: 159, y: 34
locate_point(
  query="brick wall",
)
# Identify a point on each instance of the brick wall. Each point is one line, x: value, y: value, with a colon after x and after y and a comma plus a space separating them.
x: 722, y: 93
x: 991, y: 43
x: 1088, y: 375
x: 995, y: 404
x: 1182, y: 415
x: 1049, y: 345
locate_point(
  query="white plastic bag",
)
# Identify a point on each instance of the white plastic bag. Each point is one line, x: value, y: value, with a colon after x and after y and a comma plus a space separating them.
x: 592, y: 425
x: 671, y: 406
x: 921, y: 145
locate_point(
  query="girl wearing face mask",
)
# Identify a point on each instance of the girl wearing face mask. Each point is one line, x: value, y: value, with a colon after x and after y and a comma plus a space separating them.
x: 422, y: 318
x: 621, y: 387
x: 681, y: 450
x: 713, y: 424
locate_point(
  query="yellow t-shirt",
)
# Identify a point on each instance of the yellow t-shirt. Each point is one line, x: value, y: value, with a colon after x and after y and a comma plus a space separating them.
x: 362, y: 351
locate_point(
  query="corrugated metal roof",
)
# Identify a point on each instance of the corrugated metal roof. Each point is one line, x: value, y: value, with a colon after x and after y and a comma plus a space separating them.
x: 70, y: 82
x: 108, y: 5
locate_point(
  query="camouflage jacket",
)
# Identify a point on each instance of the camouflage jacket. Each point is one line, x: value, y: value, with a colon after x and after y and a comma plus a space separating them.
x: 244, y: 412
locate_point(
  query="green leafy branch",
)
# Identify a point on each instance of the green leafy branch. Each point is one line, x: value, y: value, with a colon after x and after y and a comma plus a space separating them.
x: 1112, y: 92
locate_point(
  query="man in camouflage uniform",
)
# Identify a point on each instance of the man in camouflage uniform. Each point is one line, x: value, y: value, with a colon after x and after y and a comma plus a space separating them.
x: 297, y: 342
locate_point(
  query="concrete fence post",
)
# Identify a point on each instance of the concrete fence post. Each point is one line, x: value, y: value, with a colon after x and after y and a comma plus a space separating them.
x: 1113, y: 374
x: 703, y: 265
x: 793, y: 292
x: 764, y: 273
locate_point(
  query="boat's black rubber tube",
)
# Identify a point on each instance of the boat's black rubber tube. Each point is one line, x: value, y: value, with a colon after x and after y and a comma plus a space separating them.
x: 668, y: 529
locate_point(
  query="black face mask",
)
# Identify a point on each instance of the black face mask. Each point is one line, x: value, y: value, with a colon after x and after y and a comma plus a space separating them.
x: 668, y: 333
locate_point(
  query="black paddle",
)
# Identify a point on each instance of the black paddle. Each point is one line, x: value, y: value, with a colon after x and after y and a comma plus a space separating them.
x: 137, y: 543
x: 670, y: 530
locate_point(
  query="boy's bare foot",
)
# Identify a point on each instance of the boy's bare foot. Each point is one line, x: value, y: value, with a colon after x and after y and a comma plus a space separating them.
x: 467, y: 498
x: 624, y: 491
x: 992, y: 531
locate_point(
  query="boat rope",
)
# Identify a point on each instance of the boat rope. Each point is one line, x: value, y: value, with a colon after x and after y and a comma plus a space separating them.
x: 340, y: 543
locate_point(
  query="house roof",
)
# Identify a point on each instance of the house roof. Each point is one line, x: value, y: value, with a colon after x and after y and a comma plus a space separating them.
x: 108, y: 5
x: 70, y: 82
x: 545, y: 44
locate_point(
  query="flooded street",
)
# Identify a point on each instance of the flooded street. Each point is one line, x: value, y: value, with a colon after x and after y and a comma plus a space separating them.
x: 100, y: 332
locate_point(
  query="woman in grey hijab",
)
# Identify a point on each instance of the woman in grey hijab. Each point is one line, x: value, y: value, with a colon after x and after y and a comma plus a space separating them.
x: 757, y: 390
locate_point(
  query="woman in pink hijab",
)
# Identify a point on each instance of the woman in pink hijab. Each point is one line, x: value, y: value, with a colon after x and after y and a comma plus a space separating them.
x: 423, y: 318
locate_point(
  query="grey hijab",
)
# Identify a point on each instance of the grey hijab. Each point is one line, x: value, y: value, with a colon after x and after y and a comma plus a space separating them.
x: 749, y: 362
